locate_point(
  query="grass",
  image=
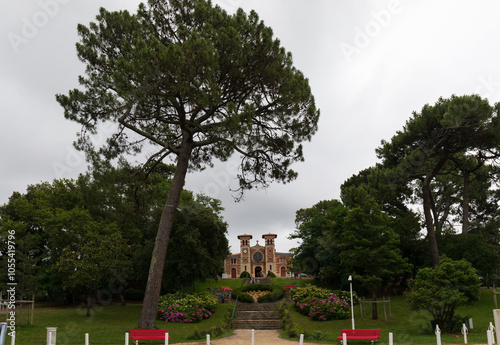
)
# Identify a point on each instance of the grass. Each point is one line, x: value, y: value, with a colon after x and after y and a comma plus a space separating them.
x: 108, y: 325
x: 408, y: 327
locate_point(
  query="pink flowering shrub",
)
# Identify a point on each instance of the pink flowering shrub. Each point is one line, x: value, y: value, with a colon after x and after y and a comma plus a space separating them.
x: 189, y: 314
x: 181, y: 307
x: 322, y: 309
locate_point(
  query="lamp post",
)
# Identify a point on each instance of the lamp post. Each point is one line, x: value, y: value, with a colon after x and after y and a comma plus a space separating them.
x: 352, y: 309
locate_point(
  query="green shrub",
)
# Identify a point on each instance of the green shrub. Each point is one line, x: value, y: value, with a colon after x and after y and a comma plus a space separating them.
x: 271, y: 274
x: 275, y: 295
x: 245, y: 274
x: 204, y: 300
x: 316, y: 335
x: 299, y: 294
x: 443, y: 288
x: 242, y: 296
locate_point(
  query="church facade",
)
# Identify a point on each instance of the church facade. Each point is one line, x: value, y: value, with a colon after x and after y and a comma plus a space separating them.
x: 258, y: 260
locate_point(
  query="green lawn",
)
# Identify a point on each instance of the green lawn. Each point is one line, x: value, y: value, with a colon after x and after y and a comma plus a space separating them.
x: 408, y: 327
x: 108, y: 325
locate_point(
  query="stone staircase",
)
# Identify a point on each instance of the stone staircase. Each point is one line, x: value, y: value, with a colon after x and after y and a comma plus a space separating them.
x: 257, y: 316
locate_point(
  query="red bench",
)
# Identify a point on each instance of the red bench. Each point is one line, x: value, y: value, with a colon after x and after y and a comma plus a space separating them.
x: 360, y: 334
x: 147, y: 334
x: 289, y: 287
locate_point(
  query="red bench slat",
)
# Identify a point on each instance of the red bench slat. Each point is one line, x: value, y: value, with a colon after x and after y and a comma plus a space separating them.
x: 360, y: 334
x: 148, y: 334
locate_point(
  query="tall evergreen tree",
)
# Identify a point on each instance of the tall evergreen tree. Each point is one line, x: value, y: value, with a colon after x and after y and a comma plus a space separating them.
x: 191, y: 83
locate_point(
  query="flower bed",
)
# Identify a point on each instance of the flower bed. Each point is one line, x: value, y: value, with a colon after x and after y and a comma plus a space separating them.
x: 320, y: 304
x: 264, y: 293
x: 180, y: 307
x: 256, y: 294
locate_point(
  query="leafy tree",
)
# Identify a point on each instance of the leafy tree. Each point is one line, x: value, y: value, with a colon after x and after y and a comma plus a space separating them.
x: 87, y: 266
x: 434, y: 139
x: 476, y: 248
x: 441, y: 289
x: 319, y: 228
x: 199, y: 244
x: 369, y: 247
x: 192, y: 83
x: 393, y: 199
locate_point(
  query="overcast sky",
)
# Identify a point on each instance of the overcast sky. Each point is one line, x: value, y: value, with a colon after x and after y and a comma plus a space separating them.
x: 369, y: 63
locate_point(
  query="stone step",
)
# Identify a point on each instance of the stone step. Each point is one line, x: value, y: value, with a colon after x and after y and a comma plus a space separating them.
x: 257, y: 306
x: 257, y: 315
x: 257, y: 324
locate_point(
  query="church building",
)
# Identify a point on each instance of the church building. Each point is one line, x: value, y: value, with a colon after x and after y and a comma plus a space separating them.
x: 257, y: 260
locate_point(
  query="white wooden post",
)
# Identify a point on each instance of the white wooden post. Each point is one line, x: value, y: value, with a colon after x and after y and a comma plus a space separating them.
x: 391, y: 339
x: 13, y: 339
x: 492, y: 329
x: 438, y: 335
x: 490, y: 337
x: 166, y: 338
x: 344, y: 339
x: 208, y: 339
x: 49, y: 338
x: 86, y: 339
x: 464, y: 332
x: 301, y: 341
x: 496, y: 316
x: 126, y: 338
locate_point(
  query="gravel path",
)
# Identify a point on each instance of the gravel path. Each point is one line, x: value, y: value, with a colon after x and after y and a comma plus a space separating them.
x: 244, y: 337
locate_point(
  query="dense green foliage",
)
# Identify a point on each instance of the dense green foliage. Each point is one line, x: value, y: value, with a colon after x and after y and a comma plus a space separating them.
x: 95, y: 235
x: 442, y: 289
x: 245, y: 274
x: 440, y: 148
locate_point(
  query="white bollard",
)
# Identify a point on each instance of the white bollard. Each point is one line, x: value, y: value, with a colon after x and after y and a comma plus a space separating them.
x: 438, y: 335
x: 490, y: 337
x: 464, y: 331
x: 52, y: 332
x: 496, y: 316
x: 166, y: 338
x: 344, y: 338
x: 126, y: 338
x: 87, y: 339
x: 253, y: 336
x: 208, y: 339
x: 492, y: 329
x: 13, y: 339
x: 301, y: 339
x: 391, y: 339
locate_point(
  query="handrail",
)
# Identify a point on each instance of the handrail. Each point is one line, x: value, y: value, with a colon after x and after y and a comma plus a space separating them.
x: 234, y: 310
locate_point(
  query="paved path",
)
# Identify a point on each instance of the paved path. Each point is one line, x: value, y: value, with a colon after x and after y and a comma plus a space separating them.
x: 244, y: 337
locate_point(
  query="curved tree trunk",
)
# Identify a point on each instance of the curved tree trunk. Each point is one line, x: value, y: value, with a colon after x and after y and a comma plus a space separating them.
x: 150, y: 303
x: 431, y: 235
x: 465, y: 203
